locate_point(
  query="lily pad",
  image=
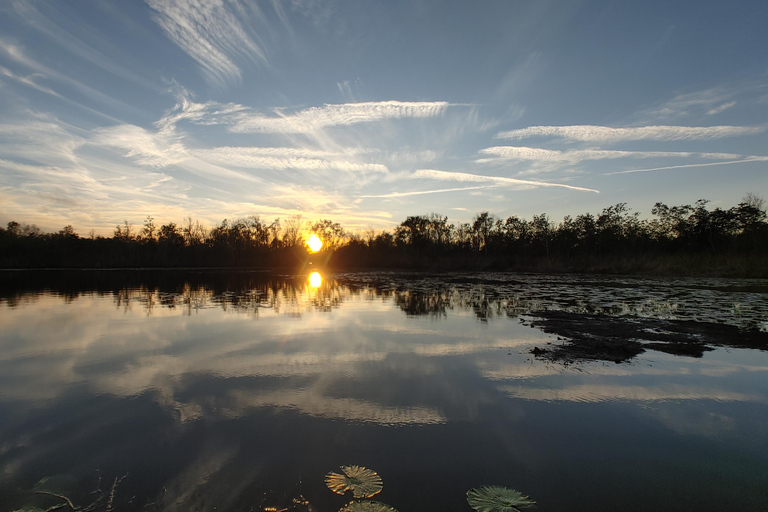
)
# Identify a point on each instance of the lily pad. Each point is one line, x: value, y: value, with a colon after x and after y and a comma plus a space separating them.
x: 493, y: 498
x: 367, y: 506
x: 363, y: 482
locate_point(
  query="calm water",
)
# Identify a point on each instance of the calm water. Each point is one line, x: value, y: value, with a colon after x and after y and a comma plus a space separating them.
x: 208, y: 391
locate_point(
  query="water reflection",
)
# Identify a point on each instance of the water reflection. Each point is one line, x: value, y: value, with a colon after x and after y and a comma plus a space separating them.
x: 216, y: 387
x: 315, y: 279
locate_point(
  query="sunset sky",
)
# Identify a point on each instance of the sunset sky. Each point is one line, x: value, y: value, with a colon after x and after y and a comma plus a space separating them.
x: 365, y: 112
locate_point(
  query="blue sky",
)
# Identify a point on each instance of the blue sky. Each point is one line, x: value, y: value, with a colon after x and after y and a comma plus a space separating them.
x: 365, y: 112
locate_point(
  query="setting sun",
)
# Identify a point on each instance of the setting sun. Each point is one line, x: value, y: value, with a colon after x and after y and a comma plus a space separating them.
x: 314, y: 243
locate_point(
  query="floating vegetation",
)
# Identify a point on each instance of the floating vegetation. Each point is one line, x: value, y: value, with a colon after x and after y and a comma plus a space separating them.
x: 493, y: 498
x: 363, y: 482
x: 366, y: 506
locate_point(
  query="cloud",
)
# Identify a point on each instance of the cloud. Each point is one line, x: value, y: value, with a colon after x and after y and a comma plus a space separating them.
x: 242, y: 119
x: 589, y: 133
x: 205, y: 114
x: 692, y: 103
x: 721, y: 108
x: 462, y: 176
x: 149, y: 148
x: 17, y: 54
x: 314, y: 118
x: 165, y: 148
x: 65, y: 38
x: 504, y: 153
x: 211, y: 33
x: 282, y: 158
x: 41, y: 139
x: 28, y: 81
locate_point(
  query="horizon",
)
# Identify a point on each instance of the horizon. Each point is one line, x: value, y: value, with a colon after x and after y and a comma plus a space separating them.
x: 305, y: 224
x: 366, y: 113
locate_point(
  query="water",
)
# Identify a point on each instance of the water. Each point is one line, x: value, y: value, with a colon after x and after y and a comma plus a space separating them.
x: 208, y: 391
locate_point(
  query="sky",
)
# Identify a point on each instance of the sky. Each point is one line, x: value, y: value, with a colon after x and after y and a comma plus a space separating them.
x: 365, y: 112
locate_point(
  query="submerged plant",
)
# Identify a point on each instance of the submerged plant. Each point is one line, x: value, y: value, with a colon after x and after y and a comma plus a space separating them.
x: 366, y: 506
x: 363, y: 482
x: 493, y: 498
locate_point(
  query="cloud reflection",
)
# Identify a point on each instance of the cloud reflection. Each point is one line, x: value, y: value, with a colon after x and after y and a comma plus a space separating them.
x: 323, y: 351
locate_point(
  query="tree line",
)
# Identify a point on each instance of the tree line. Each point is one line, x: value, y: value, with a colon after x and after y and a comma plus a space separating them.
x: 614, y: 239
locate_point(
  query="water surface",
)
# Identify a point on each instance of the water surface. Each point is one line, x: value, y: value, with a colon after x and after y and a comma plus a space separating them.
x: 209, y: 391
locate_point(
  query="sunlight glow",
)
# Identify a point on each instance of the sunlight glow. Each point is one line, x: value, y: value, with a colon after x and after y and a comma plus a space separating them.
x: 314, y: 243
x: 315, y: 279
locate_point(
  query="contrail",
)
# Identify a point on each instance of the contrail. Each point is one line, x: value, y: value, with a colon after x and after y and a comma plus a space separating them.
x: 402, y: 194
x: 758, y: 159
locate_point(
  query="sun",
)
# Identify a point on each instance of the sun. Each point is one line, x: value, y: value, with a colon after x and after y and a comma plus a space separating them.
x: 314, y: 243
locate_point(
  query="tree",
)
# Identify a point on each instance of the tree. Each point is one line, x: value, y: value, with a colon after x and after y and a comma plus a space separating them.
x: 149, y: 231
x: 482, y: 226
x: 170, y: 235
x: 13, y: 228
x: 67, y: 232
x: 331, y: 233
x: 754, y: 200
x: 124, y: 232
x: 542, y: 230
x: 412, y: 231
x: 194, y: 232
x: 292, y: 229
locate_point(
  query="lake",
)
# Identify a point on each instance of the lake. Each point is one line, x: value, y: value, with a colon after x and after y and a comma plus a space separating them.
x: 240, y: 391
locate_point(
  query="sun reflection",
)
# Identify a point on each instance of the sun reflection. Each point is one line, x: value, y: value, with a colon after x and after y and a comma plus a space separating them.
x: 315, y: 279
x: 314, y: 243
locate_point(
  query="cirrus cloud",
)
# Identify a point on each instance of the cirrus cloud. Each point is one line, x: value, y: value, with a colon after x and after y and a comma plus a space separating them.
x: 504, y: 153
x: 591, y: 133
x: 311, y: 119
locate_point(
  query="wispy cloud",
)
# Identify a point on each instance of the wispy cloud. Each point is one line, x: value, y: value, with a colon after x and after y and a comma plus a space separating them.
x: 692, y: 103
x: 508, y: 153
x: 211, y: 32
x: 242, y: 119
x: 28, y: 81
x: 314, y: 118
x: 589, y: 133
x: 41, y: 138
x: 74, y: 41
x: 17, y: 54
x: 498, y: 180
x: 165, y: 147
x: 159, y: 150
x: 721, y: 108
x: 283, y: 158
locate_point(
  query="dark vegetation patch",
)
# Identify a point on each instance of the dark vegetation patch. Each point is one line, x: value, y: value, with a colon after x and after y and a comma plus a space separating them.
x: 678, y: 240
x: 585, y: 337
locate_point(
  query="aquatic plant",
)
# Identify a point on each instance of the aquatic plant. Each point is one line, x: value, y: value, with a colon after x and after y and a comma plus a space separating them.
x: 493, y: 498
x: 363, y: 482
x: 366, y: 506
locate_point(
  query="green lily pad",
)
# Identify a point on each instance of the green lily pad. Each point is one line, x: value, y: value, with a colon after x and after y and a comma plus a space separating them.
x: 492, y: 498
x: 363, y: 482
x: 367, y: 506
